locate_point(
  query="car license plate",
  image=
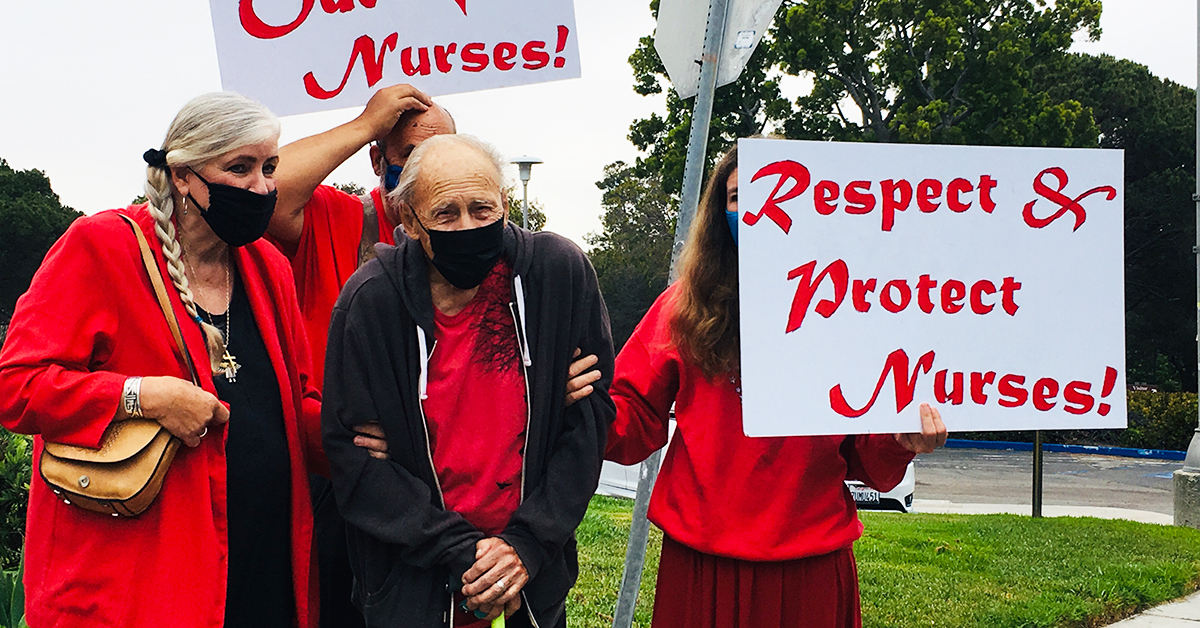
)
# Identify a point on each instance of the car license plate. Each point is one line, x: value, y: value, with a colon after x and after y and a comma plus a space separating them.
x: 865, y: 495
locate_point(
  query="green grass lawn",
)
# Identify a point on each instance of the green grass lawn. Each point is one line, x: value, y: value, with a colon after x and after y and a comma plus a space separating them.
x: 993, y: 571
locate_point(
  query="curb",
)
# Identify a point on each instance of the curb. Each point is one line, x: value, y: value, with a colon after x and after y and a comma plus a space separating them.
x: 1127, y: 452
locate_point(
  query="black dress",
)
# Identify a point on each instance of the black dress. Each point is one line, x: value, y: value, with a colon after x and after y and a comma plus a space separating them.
x: 259, y: 487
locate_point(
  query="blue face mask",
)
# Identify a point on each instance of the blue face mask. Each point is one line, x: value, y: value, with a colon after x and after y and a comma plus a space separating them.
x: 391, y: 178
x: 732, y: 217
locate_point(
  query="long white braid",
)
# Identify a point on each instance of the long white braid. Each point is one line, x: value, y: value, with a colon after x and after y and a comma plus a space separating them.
x: 162, y: 208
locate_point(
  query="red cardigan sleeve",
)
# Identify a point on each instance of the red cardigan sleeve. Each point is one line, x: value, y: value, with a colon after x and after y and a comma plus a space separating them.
x: 62, y: 326
x: 877, y: 460
x: 645, y: 382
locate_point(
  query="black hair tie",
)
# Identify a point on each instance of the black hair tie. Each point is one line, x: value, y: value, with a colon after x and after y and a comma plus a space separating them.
x: 156, y: 158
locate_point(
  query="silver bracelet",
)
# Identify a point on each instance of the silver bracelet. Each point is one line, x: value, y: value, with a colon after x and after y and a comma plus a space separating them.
x: 131, y: 398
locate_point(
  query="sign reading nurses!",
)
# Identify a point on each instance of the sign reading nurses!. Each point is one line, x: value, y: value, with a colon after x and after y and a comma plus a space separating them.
x: 299, y: 56
x: 986, y: 281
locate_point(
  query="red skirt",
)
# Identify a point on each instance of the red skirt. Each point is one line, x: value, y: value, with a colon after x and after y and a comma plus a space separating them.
x: 697, y: 590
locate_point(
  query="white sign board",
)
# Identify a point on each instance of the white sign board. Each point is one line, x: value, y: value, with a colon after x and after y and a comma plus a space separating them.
x: 299, y: 56
x: 679, y: 39
x: 986, y: 281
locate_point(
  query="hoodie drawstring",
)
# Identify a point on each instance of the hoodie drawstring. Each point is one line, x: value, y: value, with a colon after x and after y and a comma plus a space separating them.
x: 423, y: 382
x: 521, y: 314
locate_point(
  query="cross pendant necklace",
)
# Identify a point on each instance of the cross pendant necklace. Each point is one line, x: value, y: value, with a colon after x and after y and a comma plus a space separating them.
x: 229, y: 364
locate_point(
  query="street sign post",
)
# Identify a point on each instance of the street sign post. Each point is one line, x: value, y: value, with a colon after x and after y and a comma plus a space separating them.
x: 702, y: 48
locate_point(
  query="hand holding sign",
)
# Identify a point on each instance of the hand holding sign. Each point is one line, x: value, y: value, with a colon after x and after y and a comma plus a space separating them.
x: 932, y: 435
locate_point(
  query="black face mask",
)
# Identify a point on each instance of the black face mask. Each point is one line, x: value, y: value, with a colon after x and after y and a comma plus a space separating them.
x: 237, y: 216
x: 466, y: 257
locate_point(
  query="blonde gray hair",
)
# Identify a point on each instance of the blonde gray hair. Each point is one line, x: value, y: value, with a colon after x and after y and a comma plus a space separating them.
x: 406, y: 188
x: 207, y: 127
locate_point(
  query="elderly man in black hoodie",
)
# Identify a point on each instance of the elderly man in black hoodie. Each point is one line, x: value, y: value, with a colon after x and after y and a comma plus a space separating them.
x: 458, y: 342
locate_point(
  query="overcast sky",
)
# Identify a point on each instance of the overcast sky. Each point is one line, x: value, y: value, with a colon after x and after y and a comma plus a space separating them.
x: 86, y: 87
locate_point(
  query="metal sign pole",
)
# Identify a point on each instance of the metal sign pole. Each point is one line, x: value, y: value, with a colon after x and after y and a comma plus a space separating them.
x: 1037, y: 474
x: 693, y: 174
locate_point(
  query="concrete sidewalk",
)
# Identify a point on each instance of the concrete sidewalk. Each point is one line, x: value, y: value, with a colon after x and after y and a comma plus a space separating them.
x: 938, y: 506
x: 1182, y: 613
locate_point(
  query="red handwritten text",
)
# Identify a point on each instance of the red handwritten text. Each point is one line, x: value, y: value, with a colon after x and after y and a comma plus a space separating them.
x: 896, y: 295
x: 472, y: 57
x: 255, y: 27
x: 1065, y: 203
x: 860, y: 197
x: 981, y: 388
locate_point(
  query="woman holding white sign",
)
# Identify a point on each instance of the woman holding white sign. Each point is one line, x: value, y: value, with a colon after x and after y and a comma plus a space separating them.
x: 758, y: 532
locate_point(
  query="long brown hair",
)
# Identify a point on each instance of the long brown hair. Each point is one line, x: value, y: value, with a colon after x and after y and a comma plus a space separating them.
x: 704, y: 325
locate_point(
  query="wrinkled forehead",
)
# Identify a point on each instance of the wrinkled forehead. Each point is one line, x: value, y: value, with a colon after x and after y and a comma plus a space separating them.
x: 416, y: 126
x: 456, y: 172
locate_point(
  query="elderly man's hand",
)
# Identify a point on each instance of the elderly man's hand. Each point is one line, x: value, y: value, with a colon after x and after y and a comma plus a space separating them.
x: 388, y: 104
x: 932, y: 436
x: 579, y: 378
x: 496, y: 578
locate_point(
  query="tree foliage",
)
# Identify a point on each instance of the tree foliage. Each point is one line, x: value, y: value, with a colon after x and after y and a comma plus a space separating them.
x: 31, y: 219
x: 1154, y: 122
x: 353, y: 189
x: 537, y: 213
x: 933, y: 71
x: 927, y: 71
x: 632, y: 253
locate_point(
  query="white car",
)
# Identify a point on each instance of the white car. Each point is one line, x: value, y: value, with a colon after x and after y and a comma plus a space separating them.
x: 899, y: 499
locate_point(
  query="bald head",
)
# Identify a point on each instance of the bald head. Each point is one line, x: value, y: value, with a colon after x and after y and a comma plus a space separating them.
x: 413, y: 127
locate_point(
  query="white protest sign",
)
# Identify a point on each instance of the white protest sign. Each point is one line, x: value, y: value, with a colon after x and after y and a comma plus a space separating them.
x: 986, y: 281
x: 299, y: 56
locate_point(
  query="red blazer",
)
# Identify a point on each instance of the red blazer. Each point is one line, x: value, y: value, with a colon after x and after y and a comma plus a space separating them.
x: 89, y: 320
x: 719, y: 491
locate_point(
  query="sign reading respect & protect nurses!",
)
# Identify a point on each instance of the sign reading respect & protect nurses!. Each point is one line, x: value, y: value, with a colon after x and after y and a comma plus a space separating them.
x: 300, y: 56
x: 986, y: 281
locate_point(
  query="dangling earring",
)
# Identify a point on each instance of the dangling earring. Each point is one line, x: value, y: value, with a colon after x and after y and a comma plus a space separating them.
x: 185, y: 206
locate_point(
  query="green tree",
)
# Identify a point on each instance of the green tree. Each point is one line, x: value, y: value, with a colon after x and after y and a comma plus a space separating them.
x: 632, y: 253
x: 928, y: 71
x: 933, y: 71
x: 31, y: 219
x: 537, y: 213
x: 1154, y: 122
x: 740, y: 109
x: 352, y: 188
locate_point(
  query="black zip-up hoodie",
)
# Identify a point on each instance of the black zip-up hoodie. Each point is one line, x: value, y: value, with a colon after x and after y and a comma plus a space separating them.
x: 409, y: 553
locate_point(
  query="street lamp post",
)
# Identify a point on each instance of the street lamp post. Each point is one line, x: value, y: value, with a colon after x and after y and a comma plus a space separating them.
x: 525, y: 163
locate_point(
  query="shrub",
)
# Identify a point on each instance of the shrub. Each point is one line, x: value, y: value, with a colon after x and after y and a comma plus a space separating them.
x: 15, y: 472
x: 1157, y: 420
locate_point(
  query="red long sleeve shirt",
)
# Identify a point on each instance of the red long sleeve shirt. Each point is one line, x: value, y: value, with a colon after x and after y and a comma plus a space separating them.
x: 719, y: 491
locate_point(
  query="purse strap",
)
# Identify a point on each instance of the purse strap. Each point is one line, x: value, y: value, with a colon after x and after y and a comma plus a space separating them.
x: 160, y: 290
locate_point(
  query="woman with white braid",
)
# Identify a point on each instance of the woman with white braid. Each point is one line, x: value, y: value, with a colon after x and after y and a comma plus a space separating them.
x: 227, y: 541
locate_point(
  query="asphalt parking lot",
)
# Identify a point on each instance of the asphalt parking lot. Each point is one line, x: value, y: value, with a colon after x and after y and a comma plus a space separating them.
x: 1006, y: 477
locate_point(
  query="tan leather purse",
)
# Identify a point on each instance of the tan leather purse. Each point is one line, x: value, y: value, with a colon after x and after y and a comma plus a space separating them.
x: 125, y: 474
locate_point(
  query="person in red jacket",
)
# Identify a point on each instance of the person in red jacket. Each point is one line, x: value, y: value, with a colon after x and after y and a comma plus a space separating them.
x: 227, y: 541
x: 757, y: 532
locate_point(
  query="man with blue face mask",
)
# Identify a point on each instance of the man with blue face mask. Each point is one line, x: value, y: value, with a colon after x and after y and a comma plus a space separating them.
x: 457, y: 342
